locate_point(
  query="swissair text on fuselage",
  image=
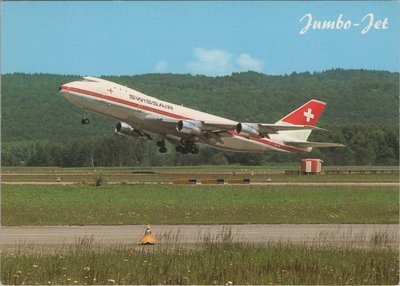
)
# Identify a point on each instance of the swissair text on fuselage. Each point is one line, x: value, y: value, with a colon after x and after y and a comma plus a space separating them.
x: 152, y: 102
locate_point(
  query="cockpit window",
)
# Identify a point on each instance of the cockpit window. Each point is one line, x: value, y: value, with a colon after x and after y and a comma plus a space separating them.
x: 89, y: 79
x: 93, y: 79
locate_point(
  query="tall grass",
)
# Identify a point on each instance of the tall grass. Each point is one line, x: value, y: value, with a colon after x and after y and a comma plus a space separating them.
x: 214, y: 260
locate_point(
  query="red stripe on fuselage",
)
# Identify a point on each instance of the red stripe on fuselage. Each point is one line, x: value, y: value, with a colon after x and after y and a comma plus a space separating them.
x: 173, y: 115
x: 123, y: 101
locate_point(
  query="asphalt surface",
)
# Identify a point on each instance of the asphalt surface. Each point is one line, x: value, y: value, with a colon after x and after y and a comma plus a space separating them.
x: 51, y: 236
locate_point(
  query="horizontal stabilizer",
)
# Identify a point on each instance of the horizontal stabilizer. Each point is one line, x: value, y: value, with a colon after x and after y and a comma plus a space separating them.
x: 306, y: 144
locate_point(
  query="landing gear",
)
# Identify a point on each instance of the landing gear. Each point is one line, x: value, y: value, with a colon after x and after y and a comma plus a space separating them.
x: 180, y: 149
x: 187, y: 147
x: 161, y: 144
x: 85, y: 120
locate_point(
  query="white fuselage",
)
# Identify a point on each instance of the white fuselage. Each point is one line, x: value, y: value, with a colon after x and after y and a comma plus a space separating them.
x: 133, y: 107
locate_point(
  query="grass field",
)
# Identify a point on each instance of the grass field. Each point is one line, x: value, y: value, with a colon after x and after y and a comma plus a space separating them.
x: 171, y: 204
x: 208, y: 263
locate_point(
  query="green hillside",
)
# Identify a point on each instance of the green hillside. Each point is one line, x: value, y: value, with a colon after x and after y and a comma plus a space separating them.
x: 34, y: 111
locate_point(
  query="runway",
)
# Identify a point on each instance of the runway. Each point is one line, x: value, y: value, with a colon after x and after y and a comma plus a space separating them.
x: 53, y: 236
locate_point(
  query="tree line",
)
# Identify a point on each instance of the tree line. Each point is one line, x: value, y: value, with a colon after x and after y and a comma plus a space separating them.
x: 365, y: 145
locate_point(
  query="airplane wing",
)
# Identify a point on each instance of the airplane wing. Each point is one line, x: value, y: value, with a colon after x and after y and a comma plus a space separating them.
x: 305, y: 144
x: 263, y: 128
x: 205, y: 125
x: 161, y: 119
x: 216, y: 127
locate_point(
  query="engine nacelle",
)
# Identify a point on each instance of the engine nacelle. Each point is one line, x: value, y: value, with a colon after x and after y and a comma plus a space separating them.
x: 126, y: 129
x: 188, y: 128
x: 248, y: 129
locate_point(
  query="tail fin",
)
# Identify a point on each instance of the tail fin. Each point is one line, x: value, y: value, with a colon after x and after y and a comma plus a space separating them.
x: 307, y: 114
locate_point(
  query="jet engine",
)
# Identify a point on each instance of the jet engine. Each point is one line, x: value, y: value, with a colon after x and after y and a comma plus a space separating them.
x: 126, y: 129
x: 188, y: 128
x: 248, y: 129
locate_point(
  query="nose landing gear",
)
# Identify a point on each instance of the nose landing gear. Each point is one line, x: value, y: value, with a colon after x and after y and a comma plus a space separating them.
x: 85, y: 120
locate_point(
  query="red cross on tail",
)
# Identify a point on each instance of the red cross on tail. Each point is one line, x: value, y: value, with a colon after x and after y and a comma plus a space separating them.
x: 307, y: 114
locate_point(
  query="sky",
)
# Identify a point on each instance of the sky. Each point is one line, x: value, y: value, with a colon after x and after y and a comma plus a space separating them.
x: 209, y: 38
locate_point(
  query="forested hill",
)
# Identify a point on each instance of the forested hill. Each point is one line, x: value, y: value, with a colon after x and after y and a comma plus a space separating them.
x: 34, y: 110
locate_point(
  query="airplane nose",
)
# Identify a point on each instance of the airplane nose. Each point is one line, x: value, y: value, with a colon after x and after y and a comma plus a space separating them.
x: 63, y: 87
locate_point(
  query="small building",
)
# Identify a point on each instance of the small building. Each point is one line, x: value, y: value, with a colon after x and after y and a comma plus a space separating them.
x: 311, y: 166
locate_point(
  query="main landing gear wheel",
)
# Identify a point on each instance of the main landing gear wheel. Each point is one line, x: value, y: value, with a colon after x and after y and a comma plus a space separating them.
x: 187, y: 148
x: 161, y: 144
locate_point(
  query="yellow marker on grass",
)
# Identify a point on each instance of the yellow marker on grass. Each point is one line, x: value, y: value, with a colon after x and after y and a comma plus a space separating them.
x: 147, y: 238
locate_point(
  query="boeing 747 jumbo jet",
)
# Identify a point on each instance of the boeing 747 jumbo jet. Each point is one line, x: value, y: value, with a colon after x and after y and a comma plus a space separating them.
x: 142, y: 116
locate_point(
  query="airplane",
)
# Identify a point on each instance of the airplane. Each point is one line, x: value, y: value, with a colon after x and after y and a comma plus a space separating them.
x: 143, y: 116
